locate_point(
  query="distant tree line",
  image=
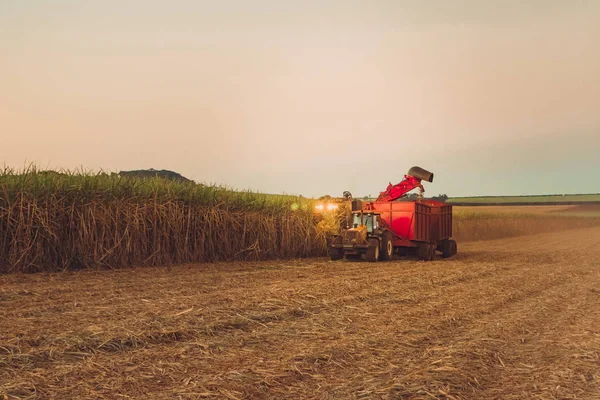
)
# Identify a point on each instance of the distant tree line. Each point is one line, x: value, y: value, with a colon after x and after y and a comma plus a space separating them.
x: 415, y: 196
x: 528, y: 195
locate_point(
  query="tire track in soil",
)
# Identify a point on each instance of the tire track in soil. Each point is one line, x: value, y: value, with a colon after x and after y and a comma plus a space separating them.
x: 455, y: 328
x: 502, y: 330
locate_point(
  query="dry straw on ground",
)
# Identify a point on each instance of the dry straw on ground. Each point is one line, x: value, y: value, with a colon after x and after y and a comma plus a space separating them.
x: 508, y: 319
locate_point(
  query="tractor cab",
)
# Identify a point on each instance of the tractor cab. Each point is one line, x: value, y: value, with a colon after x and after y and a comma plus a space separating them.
x: 365, y: 220
x: 364, y: 225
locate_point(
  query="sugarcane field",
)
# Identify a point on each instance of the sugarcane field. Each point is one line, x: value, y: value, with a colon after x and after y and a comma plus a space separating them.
x: 278, y: 200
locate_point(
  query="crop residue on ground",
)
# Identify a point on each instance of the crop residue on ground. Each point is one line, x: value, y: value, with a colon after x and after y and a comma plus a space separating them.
x: 506, y: 319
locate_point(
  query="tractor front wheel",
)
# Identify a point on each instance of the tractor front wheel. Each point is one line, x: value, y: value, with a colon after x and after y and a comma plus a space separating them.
x: 336, y: 253
x: 373, y: 250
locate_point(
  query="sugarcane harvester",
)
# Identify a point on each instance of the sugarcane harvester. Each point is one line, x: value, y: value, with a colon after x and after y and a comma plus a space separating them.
x: 386, y: 226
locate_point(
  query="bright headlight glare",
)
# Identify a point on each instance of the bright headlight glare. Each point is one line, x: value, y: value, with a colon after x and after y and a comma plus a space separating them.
x: 319, y: 206
x: 332, y: 206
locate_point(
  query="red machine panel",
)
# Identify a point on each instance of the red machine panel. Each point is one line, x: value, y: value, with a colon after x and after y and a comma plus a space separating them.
x: 445, y: 222
x: 425, y: 223
x: 421, y: 220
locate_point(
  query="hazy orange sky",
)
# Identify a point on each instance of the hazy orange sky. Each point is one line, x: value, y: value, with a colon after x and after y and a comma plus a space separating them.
x: 308, y: 97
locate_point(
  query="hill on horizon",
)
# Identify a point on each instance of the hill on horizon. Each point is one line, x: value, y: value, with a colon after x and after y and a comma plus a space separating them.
x: 155, y: 173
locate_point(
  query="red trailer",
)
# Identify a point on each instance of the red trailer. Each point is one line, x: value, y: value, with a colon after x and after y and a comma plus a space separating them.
x: 385, y: 226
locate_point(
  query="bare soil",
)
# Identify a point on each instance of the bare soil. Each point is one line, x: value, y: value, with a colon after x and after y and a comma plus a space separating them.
x: 515, y: 318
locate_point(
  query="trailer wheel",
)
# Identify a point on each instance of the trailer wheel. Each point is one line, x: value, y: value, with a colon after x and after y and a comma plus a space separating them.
x: 432, y: 252
x: 454, y: 247
x: 423, y: 252
x: 336, y: 253
x: 387, y: 246
x: 373, y: 250
x: 446, y: 248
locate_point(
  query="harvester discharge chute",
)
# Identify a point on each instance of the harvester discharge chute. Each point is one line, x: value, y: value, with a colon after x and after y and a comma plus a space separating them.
x: 420, y: 173
x: 412, y: 180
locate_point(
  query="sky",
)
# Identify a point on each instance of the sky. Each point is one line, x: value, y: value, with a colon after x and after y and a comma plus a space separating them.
x: 308, y: 97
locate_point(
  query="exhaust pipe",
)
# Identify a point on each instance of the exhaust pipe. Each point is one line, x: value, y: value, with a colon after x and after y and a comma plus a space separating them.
x: 420, y: 173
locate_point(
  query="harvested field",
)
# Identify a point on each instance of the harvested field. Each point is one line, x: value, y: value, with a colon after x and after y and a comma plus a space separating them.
x: 586, y: 210
x: 574, y: 198
x: 512, y: 210
x: 506, y: 319
x: 496, y: 222
x: 579, y: 209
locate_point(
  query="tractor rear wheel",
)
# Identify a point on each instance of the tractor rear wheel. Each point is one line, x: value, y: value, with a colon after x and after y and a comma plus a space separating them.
x: 387, y: 246
x: 373, y: 250
x: 336, y: 253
